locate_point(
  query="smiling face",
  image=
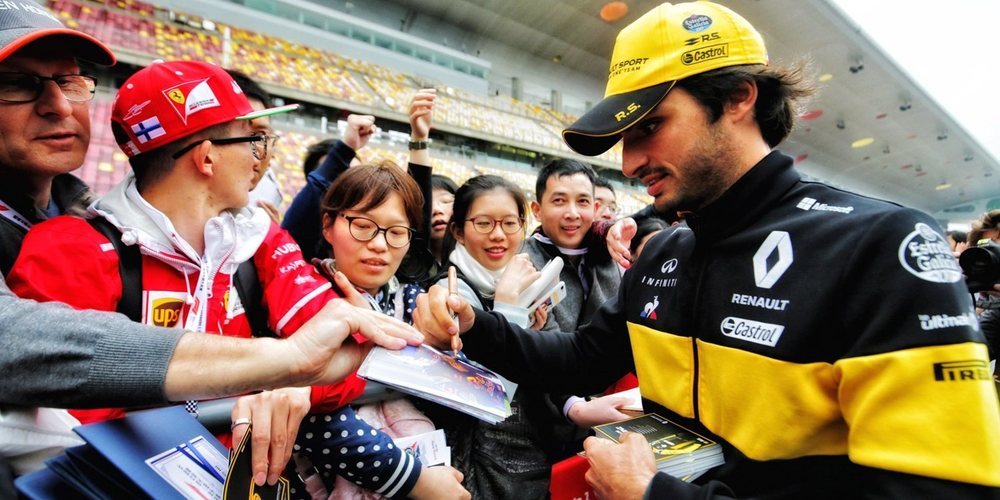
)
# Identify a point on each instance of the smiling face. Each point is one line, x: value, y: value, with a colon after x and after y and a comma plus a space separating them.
x: 367, y: 264
x: 494, y: 249
x: 49, y: 136
x: 566, y: 209
x: 684, y: 161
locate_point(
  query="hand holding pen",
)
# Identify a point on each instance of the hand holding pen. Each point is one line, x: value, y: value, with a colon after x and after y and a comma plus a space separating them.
x: 456, y: 341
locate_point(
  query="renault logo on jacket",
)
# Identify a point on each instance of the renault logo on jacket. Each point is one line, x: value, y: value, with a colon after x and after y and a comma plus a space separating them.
x: 772, y: 259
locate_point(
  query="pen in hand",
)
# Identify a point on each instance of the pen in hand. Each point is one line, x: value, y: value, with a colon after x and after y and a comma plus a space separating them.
x: 456, y: 343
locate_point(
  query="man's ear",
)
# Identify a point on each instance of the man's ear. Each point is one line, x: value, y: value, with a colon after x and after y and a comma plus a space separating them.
x: 203, y: 156
x: 742, y: 101
x: 536, y: 210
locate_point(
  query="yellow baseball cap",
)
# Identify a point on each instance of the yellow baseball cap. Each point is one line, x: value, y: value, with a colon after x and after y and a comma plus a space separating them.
x: 667, y: 44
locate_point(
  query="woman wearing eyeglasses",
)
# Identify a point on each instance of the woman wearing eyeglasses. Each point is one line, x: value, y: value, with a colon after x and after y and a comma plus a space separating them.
x: 507, y: 460
x: 486, y: 233
x: 513, y: 458
x: 370, y: 215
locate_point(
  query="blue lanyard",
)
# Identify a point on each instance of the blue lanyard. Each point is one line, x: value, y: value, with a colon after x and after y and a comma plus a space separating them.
x: 191, y: 452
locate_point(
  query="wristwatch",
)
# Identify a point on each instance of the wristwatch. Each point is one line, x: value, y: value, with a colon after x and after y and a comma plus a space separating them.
x: 415, y: 145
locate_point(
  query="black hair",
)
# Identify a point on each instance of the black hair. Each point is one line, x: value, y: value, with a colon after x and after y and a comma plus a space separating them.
x: 958, y: 236
x: 314, y: 152
x: 603, y: 183
x: 365, y: 187
x: 151, y: 166
x: 250, y: 88
x: 561, y: 168
x: 780, y: 94
x: 439, y: 181
x: 466, y: 195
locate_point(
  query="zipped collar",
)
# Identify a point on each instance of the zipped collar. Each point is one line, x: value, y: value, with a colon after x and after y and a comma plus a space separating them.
x: 236, y: 234
x: 746, y: 200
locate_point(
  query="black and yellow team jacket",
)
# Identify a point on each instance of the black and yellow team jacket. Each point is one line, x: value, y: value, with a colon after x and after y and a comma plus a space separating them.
x: 825, y: 338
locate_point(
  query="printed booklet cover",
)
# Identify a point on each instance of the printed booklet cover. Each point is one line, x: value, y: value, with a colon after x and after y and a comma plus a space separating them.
x: 427, y: 373
x: 679, y: 451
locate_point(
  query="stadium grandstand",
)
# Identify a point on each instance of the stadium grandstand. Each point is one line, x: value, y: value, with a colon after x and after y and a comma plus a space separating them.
x: 504, y: 109
x: 474, y: 133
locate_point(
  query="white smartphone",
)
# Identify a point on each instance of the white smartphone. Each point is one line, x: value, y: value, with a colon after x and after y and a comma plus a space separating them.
x: 540, y: 288
x: 553, y: 297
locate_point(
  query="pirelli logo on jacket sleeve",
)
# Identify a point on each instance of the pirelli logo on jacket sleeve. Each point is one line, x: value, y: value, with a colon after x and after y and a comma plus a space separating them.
x: 961, y: 371
x: 910, y: 409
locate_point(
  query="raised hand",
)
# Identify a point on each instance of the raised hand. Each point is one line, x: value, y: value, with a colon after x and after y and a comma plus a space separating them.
x: 360, y: 129
x: 421, y: 110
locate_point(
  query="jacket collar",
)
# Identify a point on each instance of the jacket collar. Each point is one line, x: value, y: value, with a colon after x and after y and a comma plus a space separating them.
x: 746, y: 200
x: 230, y: 238
x: 68, y: 192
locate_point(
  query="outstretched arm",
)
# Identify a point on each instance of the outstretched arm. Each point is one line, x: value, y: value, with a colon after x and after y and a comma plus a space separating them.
x: 319, y: 353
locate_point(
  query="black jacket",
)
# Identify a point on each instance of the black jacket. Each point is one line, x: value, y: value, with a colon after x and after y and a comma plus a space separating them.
x: 70, y: 194
x: 824, y: 338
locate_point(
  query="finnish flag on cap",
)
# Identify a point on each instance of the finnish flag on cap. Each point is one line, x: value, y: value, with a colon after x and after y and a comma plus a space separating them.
x: 148, y: 130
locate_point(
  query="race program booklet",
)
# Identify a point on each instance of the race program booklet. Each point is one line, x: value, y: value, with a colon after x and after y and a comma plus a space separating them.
x: 679, y: 451
x: 455, y: 382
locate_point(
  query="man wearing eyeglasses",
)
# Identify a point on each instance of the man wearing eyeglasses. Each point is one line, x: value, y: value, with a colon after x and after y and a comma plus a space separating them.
x: 266, y: 193
x: 605, y: 201
x: 186, y: 127
x: 44, y: 121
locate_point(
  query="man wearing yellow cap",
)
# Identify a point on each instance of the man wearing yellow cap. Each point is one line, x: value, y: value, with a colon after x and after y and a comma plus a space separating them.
x: 824, y: 338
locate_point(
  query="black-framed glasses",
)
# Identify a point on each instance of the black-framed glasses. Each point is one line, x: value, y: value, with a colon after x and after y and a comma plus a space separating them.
x: 28, y: 87
x: 485, y: 224
x: 365, y: 229
x: 258, y: 144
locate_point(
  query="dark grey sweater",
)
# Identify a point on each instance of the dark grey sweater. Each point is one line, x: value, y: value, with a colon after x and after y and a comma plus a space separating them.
x: 54, y: 356
x: 576, y: 308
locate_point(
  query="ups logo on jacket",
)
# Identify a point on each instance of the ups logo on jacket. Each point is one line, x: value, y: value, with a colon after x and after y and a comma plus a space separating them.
x: 163, y: 309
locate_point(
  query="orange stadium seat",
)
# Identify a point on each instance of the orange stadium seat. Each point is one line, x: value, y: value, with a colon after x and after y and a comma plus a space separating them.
x: 160, y: 33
